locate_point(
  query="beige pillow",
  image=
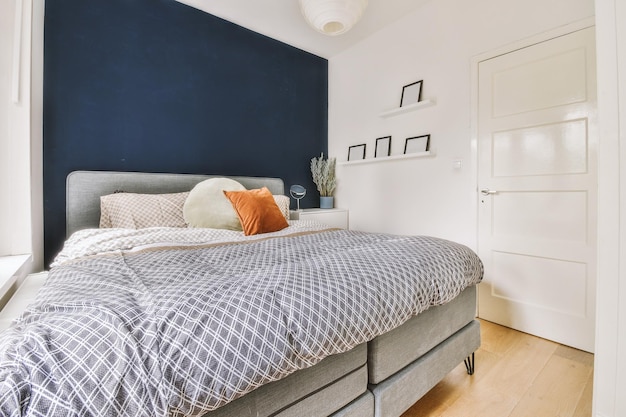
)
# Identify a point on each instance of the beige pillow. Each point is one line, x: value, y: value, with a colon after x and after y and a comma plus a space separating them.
x: 207, y: 206
x: 282, y: 201
x: 136, y: 211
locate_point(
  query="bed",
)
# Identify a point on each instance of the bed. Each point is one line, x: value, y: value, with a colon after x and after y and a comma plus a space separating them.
x: 305, y: 321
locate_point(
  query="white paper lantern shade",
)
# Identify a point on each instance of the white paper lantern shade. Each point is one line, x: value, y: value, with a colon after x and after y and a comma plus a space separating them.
x: 332, y: 17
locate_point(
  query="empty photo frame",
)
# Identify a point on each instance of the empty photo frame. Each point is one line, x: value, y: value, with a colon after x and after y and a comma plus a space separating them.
x: 383, y: 147
x: 417, y: 144
x: 356, y: 152
x: 411, y: 93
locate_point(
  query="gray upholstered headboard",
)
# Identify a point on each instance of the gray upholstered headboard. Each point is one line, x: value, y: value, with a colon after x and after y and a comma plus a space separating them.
x: 84, y: 189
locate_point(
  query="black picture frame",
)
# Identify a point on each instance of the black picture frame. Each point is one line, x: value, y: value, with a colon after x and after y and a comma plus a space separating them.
x: 417, y: 144
x: 411, y: 93
x: 383, y: 147
x: 356, y: 152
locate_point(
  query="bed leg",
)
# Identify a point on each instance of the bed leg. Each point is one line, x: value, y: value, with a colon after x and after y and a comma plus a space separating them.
x: 469, y: 364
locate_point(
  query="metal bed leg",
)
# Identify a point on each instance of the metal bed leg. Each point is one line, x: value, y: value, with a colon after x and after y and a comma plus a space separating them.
x: 469, y: 364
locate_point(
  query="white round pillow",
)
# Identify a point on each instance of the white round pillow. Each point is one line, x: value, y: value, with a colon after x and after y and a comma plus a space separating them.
x: 207, y: 206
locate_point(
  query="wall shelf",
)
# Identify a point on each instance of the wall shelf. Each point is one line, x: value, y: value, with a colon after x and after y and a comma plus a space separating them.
x: 412, y: 107
x: 388, y: 158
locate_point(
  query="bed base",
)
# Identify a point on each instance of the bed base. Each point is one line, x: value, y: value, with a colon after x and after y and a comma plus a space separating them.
x: 352, y: 396
x: 392, y: 398
x: 395, y: 383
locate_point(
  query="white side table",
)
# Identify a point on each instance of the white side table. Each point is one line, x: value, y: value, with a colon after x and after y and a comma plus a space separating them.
x: 335, y: 217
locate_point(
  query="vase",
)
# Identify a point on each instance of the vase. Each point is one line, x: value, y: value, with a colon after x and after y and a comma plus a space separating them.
x: 327, y: 202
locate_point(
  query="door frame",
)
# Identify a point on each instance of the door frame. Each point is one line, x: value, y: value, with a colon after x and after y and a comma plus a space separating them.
x: 475, y: 61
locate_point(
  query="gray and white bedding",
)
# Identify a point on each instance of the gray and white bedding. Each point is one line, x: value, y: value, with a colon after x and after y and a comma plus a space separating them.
x: 178, y: 322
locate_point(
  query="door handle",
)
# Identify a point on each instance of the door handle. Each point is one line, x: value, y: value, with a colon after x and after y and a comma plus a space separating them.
x: 487, y: 191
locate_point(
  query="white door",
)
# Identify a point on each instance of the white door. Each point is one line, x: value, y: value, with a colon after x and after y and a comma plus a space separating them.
x: 537, y: 185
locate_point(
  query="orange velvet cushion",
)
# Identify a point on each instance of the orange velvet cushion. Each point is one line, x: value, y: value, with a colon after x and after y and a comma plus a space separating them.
x: 257, y: 211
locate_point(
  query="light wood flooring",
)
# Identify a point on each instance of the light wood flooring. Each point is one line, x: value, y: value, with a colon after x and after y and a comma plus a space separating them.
x: 517, y: 375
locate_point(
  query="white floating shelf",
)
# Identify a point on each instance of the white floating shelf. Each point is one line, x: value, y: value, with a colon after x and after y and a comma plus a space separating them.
x: 411, y: 107
x: 388, y: 158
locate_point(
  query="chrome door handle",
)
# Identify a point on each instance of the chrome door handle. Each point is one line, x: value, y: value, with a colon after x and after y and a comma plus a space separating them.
x: 487, y: 191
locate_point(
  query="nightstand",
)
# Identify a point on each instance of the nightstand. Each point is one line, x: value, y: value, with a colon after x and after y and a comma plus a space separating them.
x: 335, y: 217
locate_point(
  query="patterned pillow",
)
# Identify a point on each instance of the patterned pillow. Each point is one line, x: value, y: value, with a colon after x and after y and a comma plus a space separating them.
x: 137, y: 211
x: 282, y: 201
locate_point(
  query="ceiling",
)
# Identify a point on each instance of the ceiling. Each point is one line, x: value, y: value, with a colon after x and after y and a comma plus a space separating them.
x: 282, y: 20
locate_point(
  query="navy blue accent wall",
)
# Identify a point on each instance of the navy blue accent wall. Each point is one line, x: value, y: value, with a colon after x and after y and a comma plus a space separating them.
x: 157, y: 86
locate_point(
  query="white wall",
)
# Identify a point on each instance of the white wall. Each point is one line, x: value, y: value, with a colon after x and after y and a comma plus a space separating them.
x: 7, y: 110
x: 36, y: 133
x: 21, y: 98
x: 610, y: 362
x: 436, y: 43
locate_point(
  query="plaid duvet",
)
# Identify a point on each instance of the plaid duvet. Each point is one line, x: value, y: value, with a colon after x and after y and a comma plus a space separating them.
x: 184, y: 327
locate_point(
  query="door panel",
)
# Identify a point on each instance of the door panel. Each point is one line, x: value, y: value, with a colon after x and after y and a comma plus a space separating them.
x: 537, y: 140
x: 563, y: 81
x: 546, y: 215
x: 550, y: 149
x: 539, y: 282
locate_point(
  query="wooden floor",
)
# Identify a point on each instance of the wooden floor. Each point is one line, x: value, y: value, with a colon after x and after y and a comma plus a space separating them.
x: 517, y: 375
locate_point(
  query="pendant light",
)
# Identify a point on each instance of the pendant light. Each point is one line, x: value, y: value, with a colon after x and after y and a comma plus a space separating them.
x: 332, y: 17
